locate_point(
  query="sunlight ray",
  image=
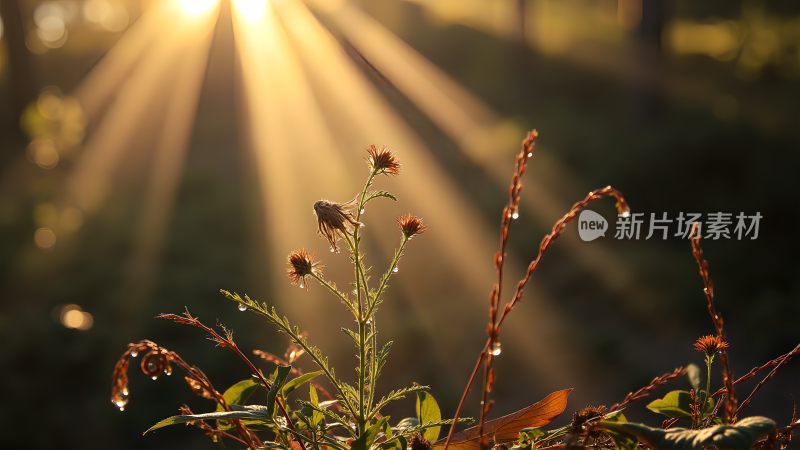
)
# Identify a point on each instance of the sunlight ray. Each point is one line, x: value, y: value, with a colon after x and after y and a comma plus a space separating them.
x: 481, y: 135
x: 167, y: 165
x: 122, y: 127
x: 288, y: 135
x: 363, y: 116
x: 99, y: 86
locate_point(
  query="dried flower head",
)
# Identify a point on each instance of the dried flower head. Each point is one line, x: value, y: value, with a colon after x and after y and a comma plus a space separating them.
x: 382, y: 161
x: 333, y: 217
x: 710, y: 345
x: 411, y: 225
x: 301, y: 264
x: 585, y: 415
x: 419, y: 443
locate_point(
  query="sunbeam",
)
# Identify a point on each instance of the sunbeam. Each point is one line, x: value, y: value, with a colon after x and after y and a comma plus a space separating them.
x: 130, y: 113
x: 363, y: 116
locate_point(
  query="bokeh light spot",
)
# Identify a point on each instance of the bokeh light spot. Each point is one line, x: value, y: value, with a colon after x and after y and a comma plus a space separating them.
x: 73, y: 317
x: 43, y: 153
x: 44, y: 238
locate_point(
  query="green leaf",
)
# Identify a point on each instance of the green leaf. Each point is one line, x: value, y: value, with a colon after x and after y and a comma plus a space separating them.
x: 739, y: 436
x: 677, y: 404
x: 316, y: 416
x: 255, y: 412
x: 282, y: 373
x: 428, y: 412
x: 299, y: 381
x: 239, y: 392
x: 364, y: 442
x: 694, y: 375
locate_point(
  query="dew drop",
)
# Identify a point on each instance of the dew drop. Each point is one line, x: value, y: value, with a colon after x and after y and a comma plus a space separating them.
x: 361, y: 225
x: 154, y: 377
x: 363, y: 210
x: 152, y: 366
x: 134, y: 354
x: 121, y: 400
x: 515, y: 215
x: 302, y: 285
x: 396, y: 269
x: 530, y: 154
x: 168, y: 371
x: 242, y: 307
x: 333, y: 250
x: 497, y: 348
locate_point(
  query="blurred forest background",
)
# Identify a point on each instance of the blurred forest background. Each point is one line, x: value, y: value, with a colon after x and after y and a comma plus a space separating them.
x: 153, y: 152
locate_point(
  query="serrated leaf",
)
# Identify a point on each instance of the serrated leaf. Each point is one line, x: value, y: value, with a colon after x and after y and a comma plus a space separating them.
x: 677, y: 404
x: 295, y: 383
x: 739, y: 436
x: 396, y: 395
x: 428, y: 412
x: 250, y: 412
x: 507, y: 428
x: 375, y: 194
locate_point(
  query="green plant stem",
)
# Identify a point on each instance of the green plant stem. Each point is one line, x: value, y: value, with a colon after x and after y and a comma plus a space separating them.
x: 362, y: 338
x: 705, y: 393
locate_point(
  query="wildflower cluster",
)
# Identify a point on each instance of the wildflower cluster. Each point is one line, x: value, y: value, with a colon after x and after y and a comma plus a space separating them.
x: 340, y: 415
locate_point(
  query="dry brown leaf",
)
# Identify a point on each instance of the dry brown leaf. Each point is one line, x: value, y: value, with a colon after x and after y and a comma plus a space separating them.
x: 506, y: 428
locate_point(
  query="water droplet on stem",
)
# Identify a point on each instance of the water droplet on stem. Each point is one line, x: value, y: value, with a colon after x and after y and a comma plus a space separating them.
x: 396, y: 269
x: 497, y: 348
x: 242, y: 307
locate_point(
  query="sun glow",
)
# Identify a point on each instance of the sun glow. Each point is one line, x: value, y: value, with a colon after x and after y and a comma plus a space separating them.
x: 195, y: 8
x: 250, y: 10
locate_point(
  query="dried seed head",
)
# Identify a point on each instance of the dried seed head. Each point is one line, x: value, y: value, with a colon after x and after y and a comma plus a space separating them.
x: 586, y: 414
x: 332, y: 218
x: 382, y: 161
x: 411, y: 225
x: 155, y: 363
x: 419, y: 443
x: 710, y: 345
x: 301, y: 264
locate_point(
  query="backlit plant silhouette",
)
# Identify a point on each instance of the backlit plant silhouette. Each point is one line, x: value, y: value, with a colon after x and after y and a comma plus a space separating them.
x: 336, y: 414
